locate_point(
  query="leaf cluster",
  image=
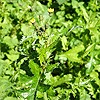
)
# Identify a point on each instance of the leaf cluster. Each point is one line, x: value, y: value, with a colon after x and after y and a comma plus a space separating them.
x: 49, y: 50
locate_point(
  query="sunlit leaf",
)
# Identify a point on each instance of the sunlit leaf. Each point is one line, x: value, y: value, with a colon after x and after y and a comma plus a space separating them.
x: 49, y: 49
x: 10, y: 98
x: 64, y: 42
x: 26, y: 29
x: 95, y: 76
x: 61, y: 1
x: 84, y: 95
x: 11, y: 42
x: 13, y: 55
x: 34, y: 68
x: 72, y: 54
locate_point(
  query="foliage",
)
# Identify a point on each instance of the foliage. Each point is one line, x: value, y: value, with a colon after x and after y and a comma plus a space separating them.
x: 49, y: 50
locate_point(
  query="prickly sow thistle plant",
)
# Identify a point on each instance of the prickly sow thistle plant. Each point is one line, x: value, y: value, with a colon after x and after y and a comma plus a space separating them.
x: 49, y: 50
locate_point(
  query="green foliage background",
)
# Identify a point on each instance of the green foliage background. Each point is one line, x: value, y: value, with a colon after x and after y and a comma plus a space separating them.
x: 49, y: 50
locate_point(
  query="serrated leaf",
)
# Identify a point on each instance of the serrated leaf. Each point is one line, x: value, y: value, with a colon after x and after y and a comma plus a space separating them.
x: 36, y: 71
x: 34, y: 68
x: 42, y: 54
x: 72, y: 54
x: 65, y: 79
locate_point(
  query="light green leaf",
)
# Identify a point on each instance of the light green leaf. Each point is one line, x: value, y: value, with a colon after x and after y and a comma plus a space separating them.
x: 27, y: 30
x: 97, y: 67
x: 42, y: 7
x: 72, y: 54
x: 45, y: 96
x: 84, y: 95
x: 74, y: 4
x: 61, y: 1
x: 64, y: 42
x: 13, y: 55
x: 94, y: 75
x: 36, y: 71
x: 89, y: 66
x: 34, y: 68
x: 89, y: 49
x: 65, y: 79
x: 85, y: 14
x: 42, y: 54
x: 39, y: 94
x: 2, y: 64
x: 10, y: 41
x: 5, y: 86
x: 10, y: 98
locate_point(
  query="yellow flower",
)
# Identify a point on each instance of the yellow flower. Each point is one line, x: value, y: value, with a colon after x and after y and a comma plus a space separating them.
x: 32, y: 20
x: 51, y: 10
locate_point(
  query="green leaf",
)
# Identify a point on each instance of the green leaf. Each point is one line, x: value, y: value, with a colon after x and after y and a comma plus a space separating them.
x: 56, y: 81
x: 88, y: 50
x: 27, y: 30
x: 85, y: 14
x: 97, y: 67
x: 61, y: 1
x: 34, y: 68
x: 34, y: 39
x: 42, y: 54
x: 13, y: 55
x: 1, y: 66
x: 84, y: 95
x: 45, y: 96
x: 39, y: 94
x: 4, y: 66
x: 10, y: 41
x: 65, y: 79
x: 24, y: 79
x: 42, y: 7
x: 72, y: 54
x: 6, y: 24
x: 95, y: 76
x: 52, y: 66
x: 36, y: 71
x: 64, y: 43
x: 90, y: 66
x: 5, y: 86
x: 74, y: 4
x: 10, y: 98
